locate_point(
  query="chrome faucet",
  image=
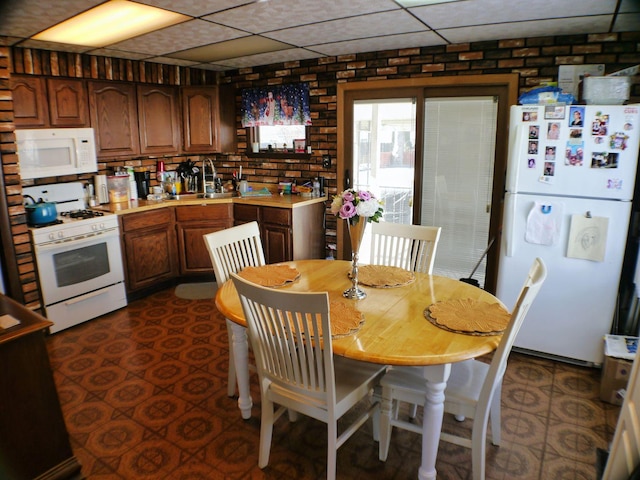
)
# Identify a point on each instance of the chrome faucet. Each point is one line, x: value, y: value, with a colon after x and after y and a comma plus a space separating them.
x: 204, y: 176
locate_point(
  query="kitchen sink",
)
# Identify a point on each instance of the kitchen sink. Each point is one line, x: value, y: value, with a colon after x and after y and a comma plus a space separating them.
x: 194, y: 196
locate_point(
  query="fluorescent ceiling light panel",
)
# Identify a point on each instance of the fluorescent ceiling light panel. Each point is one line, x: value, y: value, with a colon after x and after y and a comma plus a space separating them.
x: 239, y: 47
x: 111, y: 22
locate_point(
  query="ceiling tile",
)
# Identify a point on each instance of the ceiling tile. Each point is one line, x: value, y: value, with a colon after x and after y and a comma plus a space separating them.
x: 423, y: 39
x: 195, y: 8
x: 269, y: 58
x: 112, y: 52
x: 54, y: 46
x: 28, y: 17
x: 392, y: 22
x: 558, y: 26
x: 184, y: 36
x: 627, y: 22
x: 480, y: 12
x: 276, y: 15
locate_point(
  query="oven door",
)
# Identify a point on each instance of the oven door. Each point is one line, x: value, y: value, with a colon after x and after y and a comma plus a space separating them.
x: 71, y: 268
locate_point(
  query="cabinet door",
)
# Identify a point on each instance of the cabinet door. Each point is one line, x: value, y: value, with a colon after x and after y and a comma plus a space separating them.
x: 29, y: 101
x: 158, y: 119
x: 193, y: 223
x: 150, y: 257
x: 68, y: 104
x: 200, y: 119
x: 277, y: 243
x: 114, y: 117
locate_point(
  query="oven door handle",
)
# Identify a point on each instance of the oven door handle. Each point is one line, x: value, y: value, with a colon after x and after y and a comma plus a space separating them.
x: 86, y: 296
x: 87, y: 239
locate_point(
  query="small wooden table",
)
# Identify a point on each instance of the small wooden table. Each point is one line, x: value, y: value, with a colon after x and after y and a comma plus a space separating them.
x: 395, y: 332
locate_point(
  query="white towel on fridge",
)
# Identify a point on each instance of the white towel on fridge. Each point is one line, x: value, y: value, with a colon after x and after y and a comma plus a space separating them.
x: 543, y: 223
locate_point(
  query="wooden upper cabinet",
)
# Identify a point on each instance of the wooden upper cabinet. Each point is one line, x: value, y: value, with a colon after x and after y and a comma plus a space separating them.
x: 29, y: 101
x: 158, y: 119
x: 208, y: 117
x: 68, y: 105
x: 114, y: 117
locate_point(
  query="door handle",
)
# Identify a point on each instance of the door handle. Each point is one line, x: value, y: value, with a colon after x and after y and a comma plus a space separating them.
x: 347, y: 179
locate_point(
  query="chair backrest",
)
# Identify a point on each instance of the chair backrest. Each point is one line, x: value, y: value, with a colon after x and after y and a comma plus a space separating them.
x: 533, y: 283
x: 233, y: 249
x: 291, y: 338
x: 412, y: 247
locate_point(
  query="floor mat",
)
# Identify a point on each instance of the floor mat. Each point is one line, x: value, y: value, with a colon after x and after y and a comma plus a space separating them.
x: 196, y: 291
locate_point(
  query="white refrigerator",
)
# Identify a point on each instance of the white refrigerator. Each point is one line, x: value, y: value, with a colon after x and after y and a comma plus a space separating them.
x: 570, y: 181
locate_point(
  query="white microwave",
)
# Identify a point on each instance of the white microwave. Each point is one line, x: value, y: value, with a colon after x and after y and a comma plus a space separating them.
x: 50, y: 152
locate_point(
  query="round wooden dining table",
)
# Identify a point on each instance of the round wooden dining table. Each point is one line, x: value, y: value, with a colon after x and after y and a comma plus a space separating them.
x: 395, y: 332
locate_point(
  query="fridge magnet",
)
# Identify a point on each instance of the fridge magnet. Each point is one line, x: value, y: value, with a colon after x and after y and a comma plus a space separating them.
x: 574, y: 154
x: 543, y: 223
x: 553, y: 112
x: 604, y: 160
x: 549, y: 169
x: 576, y: 116
x: 575, y: 133
x: 550, y: 154
x: 588, y: 237
x: 618, y: 141
x: 614, y: 184
x: 531, y: 163
x: 534, y: 132
x: 553, y: 131
x: 599, y: 125
x: 530, y: 114
x: 533, y: 148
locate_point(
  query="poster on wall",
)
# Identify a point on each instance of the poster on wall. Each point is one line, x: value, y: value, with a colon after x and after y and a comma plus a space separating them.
x: 276, y: 105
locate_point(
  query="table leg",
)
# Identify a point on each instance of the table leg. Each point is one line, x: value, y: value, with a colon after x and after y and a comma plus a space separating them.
x: 241, y: 361
x: 436, y: 377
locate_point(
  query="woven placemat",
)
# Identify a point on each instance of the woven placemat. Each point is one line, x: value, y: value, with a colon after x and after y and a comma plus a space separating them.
x: 345, y: 319
x: 383, y: 276
x: 471, y: 317
x: 270, y: 275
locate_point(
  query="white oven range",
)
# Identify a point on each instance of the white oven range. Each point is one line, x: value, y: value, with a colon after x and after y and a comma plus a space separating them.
x: 78, y: 258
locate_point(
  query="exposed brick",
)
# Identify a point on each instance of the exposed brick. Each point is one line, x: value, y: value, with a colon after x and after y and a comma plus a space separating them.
x: 570, y: 60
x: 458, y: 47
x: 511, y: 43
x: 602, y: 37
x: 466, y: 56
x: 345, y: 74
x: 582, y: 49
x: 400, y: 61
x: 387, y: 71
x: 433, y: 67
x: 360, y: 64
x: 511, y: 63
x: 526, y: 52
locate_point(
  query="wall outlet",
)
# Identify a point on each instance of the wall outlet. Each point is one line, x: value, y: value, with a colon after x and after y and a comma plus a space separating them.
x: 326, y: 161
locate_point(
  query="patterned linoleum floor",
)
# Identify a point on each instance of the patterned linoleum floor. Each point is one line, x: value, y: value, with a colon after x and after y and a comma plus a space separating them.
x: 143, y: 391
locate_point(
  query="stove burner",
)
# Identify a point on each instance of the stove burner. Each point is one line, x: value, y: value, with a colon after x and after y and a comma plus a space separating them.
x: 55, y: 222
x: 82, y: 214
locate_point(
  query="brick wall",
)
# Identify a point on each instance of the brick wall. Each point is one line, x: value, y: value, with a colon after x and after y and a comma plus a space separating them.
x: 535, y: 60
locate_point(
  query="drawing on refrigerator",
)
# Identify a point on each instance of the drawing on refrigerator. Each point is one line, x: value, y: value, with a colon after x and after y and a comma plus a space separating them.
x: 570, y: 181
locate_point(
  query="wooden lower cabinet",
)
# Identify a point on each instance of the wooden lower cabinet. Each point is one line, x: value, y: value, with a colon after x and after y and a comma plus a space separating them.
x: 149, y: 248
x: 287, y: 233
x: 193, y: 222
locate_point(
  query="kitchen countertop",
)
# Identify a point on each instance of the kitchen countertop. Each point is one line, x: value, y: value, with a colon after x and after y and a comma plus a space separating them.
x: 275, y: 200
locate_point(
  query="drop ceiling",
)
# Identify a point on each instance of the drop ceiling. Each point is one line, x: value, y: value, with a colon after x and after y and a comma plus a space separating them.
x: 228, y: 34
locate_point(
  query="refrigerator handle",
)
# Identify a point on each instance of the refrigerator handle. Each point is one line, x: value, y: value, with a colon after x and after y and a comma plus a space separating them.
x: 509, y: 220
x: 516, y: 147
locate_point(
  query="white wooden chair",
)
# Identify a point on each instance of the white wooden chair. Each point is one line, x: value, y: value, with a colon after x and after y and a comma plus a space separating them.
x: 473, y: 389
x: 231, y: 250
x: 412, y: 247
x: 297, y: 368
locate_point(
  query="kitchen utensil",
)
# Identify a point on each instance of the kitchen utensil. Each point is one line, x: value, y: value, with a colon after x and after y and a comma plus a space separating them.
x: 40, y: 212
x: 100, y: 184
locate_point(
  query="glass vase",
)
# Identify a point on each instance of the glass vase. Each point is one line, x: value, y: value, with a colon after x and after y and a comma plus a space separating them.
x: 356, y: 234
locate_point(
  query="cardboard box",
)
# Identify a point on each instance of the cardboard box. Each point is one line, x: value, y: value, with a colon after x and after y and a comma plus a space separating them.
x: 615, y: 371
